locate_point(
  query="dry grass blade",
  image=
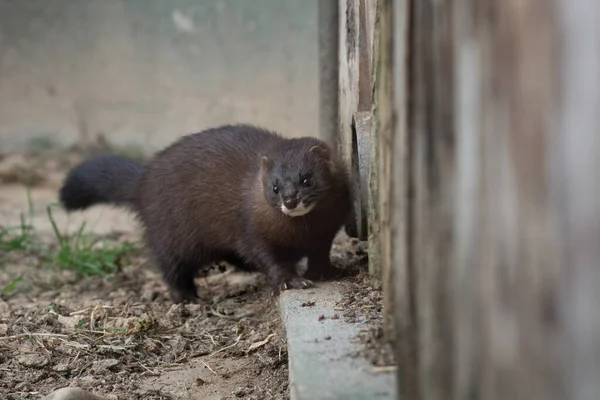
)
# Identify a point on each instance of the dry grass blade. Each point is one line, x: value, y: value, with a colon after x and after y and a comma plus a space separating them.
x: 237, y: 341
x: 257, y: 345
x: 208, y: 366
x: 33, y: 334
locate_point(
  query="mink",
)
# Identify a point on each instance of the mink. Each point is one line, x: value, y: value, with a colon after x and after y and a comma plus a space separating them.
x: 236, y: 193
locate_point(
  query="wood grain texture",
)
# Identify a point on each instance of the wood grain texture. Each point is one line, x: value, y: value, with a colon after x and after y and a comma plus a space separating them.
x: 380, y: 170
x: 355, y: 93
x: 495, y: 196
x: 431, y: 183
x: 506, y: 275
x: 401, y: 275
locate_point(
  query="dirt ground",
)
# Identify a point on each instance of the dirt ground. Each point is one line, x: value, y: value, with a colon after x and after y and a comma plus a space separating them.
x: 118, y: 333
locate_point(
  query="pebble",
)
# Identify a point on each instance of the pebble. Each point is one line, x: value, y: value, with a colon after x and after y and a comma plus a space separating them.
x: 32, y: 360
x: 4, y: 310
x: 104, y: 365
x: 62, y: 367
x: 73, y: 393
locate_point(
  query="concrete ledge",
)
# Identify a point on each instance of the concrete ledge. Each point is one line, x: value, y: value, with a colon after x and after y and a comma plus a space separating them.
x: 320, y: 349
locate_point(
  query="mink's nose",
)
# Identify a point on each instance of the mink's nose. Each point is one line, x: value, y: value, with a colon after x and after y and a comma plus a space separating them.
x: 290, y: 202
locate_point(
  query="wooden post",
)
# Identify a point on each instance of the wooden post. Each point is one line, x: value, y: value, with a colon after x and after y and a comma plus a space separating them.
x: 401, y: 315
x: 349, y: 71
x: 349, y: 75
x: 528, y: 216
x: 354, y: 97
x: 495, y: 195
x: 505, y: 278
x: 430, y: 181
x: 381, y: 155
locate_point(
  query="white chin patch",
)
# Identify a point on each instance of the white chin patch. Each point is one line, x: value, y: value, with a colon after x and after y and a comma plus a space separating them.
x: 300, y: 210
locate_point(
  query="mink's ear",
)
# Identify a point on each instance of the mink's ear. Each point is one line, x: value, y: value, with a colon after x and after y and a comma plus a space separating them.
x: 325, y: 155
x: 321, y: 151
x: 267, y: 163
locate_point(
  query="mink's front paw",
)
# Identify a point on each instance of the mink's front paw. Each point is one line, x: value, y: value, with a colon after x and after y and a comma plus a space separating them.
x: 296, y: 283
x: 292, y: 282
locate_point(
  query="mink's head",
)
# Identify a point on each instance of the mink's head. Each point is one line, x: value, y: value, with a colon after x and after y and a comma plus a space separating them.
x: 298, y: 176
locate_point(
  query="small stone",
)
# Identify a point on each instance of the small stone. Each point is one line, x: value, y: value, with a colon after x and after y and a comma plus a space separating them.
x: 73, y: 393
x: 32, y: 360
x: 239, y: 392
x: 3, y: 329
x: 321, y: 317
x: 308, y: 304
x: 22, y: 386
x: 327, y: 337
x: 62, y: 367
x: 104, y: 365
x: 335, y: 316
x: 4, y: 310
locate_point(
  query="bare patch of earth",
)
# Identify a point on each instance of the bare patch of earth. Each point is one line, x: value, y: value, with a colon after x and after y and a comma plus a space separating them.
x: 120, y: 334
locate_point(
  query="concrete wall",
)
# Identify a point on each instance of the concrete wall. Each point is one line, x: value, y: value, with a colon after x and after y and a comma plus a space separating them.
x: 147, y: 71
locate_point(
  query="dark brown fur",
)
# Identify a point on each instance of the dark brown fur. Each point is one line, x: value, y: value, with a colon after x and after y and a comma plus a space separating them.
x: 209, y: 197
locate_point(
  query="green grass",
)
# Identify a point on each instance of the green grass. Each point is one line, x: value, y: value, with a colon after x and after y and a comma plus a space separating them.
x: 19, y: 237
x: 86, y: 254
x: 12, y: 287
x: 82, y: 252
x: 41, y: 143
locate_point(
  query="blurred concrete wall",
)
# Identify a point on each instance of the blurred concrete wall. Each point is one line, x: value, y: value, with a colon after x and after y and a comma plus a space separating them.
x: 143, y: 72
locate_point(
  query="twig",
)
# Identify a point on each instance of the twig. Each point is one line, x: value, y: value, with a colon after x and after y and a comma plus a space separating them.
x: 22, y: 335
x: 208, y: 366
x: 149, y: 370
x: 75, y: 359
x: 87, y: 309
x: 114, y: 348
x: 237, y: 340
x: 212, y: 338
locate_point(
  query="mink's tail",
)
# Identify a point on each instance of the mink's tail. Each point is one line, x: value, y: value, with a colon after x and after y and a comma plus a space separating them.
x: 101, y: 180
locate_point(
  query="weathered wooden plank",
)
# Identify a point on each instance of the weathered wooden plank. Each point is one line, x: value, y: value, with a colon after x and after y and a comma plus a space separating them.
x: 365, y: 51
x: 349, y: 27
x: 431, y: 180
x: 354, y: 95
x: 370, y: 9
x: 495, y: 199
x: 507, y: 339
x: 380, y: 171
x: 361, y: 162
x: 402, y: 326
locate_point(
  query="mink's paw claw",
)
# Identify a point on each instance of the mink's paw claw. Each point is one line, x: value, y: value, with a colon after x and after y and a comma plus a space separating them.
x: 296, y: 283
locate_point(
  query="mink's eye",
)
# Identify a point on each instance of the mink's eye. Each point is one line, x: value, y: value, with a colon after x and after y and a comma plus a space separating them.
x: 306, y: 182
x: 275, y: 189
